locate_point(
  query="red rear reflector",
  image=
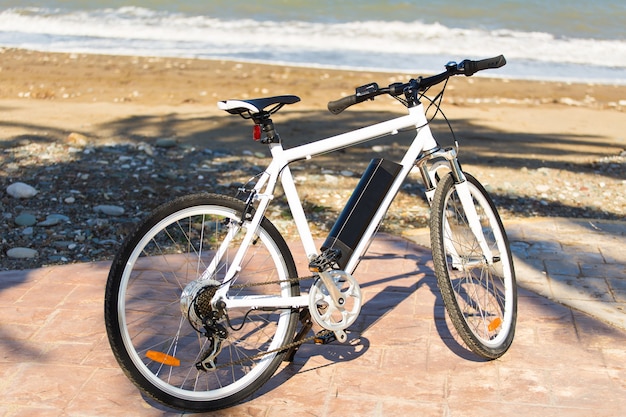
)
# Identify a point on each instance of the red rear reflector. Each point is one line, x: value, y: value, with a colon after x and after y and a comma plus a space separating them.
x: 256, y: 132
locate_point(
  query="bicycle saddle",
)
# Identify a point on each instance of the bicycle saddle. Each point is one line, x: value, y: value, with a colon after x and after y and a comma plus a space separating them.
x: 256, y: 105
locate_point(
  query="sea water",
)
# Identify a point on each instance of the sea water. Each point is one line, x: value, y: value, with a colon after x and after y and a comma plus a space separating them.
x: 577, y: 40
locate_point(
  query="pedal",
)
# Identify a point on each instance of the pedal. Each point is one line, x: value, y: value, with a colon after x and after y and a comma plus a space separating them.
x: 325, y: 260
x: 324, y: 337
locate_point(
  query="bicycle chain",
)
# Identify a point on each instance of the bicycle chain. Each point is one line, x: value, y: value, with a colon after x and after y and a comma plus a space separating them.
x: 269, y: 352
x: 281, y: 348
x: 278, y: 281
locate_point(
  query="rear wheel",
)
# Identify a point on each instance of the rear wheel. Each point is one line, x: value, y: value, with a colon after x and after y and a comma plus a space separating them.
x: 480, y: 296
x: 163, y: 329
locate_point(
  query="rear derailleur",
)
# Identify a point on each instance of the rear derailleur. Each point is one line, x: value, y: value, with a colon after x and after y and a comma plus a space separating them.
x: 195, y: 304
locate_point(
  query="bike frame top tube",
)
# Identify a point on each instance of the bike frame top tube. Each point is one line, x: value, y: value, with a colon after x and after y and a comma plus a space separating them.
x: 355, y: 137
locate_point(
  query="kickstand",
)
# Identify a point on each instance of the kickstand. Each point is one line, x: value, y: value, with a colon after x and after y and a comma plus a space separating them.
x: 307, y: 325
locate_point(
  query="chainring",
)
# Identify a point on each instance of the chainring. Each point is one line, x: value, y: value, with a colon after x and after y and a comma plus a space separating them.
x: 323, y: 309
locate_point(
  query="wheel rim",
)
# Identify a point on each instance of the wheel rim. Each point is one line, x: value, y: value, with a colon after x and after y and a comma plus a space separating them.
x: 170, y: 379
x: 484, y: 293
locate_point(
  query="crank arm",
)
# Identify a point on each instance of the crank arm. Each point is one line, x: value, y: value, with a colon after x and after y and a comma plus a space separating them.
x: 333, y: 291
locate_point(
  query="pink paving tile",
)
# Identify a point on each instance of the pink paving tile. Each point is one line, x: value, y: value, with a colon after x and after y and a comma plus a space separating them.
x: 615, y: 358
x: 428, y: 304
x: 84, y: 296
x: 73, y: 326
x: 19, y: 332
x: 99, y: 354
x: 248, y: 411
x: 592, y: 332
x: 471, y: 407
x: 349, y: 407
x: 594, y: 393
x: 24, y: 314
x: 473, y: 382
x: 399, y: 330
x: 447, y: 355
x: 46, y: 295
x: 65, y: 353
x: 416, y: 407
x: 523, y: 385
x: 410, y: 360
x: 10, y: 294
x: 80, y: 273
x: 299, y: 393
x: 548, y: 353
x: 108, y: 393
x: 357, y: 351
x: 14, y: 351
x: 389, y: 384
x: 618, y: 377
x: 37, y: 384
x: 31, y: 411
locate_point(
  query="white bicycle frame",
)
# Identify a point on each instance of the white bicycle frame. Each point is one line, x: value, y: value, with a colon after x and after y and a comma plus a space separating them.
x: 278, y: 169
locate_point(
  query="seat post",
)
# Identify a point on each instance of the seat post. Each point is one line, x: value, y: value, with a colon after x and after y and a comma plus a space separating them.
x: 263, y: 119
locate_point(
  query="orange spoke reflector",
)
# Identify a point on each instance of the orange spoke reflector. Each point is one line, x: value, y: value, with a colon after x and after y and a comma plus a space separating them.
x: 163, y: 358
x: 495, y: 323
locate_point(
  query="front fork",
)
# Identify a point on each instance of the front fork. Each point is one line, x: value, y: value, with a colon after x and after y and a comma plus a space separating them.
x: 447, y: 159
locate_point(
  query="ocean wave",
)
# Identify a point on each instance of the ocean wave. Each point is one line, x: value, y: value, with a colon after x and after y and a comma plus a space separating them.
x: 140, y: 31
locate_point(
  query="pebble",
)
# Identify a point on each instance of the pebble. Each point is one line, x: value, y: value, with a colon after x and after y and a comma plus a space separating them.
x: 166, y: 143
x: 53, y: 219
x: 109, y: 210
x: 77, y: 139
x: 21, y: 253
x: 25, y: 219
x: 331, y: 179
x: 21, y: 190
x: 542, y: 188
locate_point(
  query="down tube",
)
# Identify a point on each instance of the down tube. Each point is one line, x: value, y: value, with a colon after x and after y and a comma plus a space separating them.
x: 423, y: 139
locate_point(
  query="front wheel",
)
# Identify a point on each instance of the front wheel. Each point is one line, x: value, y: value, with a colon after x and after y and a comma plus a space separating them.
x: 480, y: 294
x: 165, y: 333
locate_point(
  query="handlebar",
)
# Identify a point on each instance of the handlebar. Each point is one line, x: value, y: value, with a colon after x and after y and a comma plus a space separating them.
x: 369, y: 91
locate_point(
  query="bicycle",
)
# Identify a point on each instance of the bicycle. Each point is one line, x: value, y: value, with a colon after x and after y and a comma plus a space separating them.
x: 203, y: 299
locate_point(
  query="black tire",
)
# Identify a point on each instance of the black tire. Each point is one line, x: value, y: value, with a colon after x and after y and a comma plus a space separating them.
x: 481, y: 298
x: 158, y: 340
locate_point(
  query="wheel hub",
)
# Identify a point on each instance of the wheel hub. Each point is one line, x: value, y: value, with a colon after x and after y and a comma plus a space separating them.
x: 195, y: 301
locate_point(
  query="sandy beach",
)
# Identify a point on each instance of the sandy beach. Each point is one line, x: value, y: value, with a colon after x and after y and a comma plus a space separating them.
x: 542, y: 148
x: 98, y: 95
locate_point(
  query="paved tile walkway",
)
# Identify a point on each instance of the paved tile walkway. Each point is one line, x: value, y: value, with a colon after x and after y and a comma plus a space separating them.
x: 402, y: 358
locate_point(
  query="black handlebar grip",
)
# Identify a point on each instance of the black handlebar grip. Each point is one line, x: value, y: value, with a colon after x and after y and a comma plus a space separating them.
x: 472, y: 67
x: 337, y: 106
